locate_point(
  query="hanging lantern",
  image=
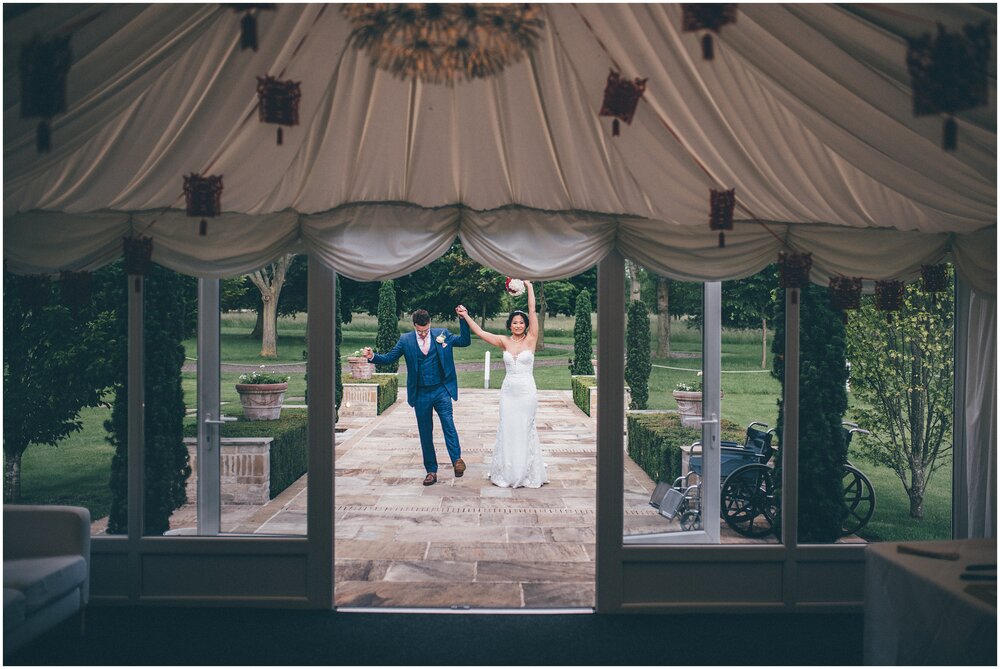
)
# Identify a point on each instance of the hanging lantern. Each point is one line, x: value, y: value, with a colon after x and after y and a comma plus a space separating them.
x: 949, y: 74
x: 722, y: 202
x: 203, y: 196
x: 36, y: 291
x: 707, y: 16
x: 889, y: 296
x: 248, y: 24
x: 845, y: 293
x: 75, y: 289
x: 793, y: 271
x: 138, y: 255
x: 621, y: 97
x: 935, y: 278
x: 278, y: 102
x: 43, y: 66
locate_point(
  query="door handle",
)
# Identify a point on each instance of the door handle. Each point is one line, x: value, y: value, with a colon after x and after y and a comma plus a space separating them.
x: 225, y: 419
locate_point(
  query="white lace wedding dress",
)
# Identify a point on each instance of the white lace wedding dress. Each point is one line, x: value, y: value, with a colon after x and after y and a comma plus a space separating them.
x: 517, y: 454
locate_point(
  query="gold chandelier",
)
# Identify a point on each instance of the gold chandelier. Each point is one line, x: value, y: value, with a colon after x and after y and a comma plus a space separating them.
x: 444, y: 43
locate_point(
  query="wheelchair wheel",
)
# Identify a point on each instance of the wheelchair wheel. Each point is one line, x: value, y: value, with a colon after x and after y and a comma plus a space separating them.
x: 748, y: 503
x: 859, y: 498
x: 690, y: 520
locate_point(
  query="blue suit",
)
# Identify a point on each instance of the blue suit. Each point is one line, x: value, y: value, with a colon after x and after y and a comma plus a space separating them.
x: 431, y: 385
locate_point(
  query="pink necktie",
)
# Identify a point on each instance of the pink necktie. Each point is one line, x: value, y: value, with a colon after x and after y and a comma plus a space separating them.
x: 425, y: 344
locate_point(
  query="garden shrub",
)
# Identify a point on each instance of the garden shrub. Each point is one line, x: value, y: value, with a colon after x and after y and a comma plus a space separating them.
x: 581, y: 391
x: 637, y: 362
x: 655, y: 440
x: 583, y: 349
x: 388, y: 325
x: 289, y: 454
x: 388, y: 390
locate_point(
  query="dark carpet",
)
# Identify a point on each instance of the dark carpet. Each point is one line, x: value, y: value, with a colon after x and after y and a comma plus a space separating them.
x: 227, y: 636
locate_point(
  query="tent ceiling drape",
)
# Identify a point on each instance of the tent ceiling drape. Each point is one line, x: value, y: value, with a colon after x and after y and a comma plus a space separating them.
x: 806, y: 111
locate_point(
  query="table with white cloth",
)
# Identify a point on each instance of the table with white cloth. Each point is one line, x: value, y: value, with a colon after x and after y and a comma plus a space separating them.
x: 920, y: 610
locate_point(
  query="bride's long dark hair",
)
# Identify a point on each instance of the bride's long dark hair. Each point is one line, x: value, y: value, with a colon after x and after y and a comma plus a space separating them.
x: 518, y: 312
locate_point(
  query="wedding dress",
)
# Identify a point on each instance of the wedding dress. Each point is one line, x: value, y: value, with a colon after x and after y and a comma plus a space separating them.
x: 517, y: 453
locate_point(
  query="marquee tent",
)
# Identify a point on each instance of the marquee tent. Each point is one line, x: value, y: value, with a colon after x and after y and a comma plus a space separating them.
x: 805, y: 110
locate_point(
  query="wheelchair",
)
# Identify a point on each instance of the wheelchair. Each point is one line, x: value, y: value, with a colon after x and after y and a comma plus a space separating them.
x: 749, y: 503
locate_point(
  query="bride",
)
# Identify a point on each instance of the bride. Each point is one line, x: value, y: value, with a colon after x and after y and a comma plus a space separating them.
x: 517, y: 454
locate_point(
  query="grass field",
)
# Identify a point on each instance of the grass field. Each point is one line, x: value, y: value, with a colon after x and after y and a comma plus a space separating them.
x: 77, y: 471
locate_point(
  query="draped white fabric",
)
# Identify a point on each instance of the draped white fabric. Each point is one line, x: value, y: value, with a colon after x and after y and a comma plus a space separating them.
x: 981, y: 416
x: 805, y: 111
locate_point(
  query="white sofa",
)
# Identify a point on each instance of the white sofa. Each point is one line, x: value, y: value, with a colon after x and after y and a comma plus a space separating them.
x: 46, y: 569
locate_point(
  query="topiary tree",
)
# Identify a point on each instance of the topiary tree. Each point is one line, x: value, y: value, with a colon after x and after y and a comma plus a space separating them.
x: 388, y: 324
x: 165, y: 460
x: 902, y: 371
x: 637, y: 362
x: 338, y: 338
x: 822, y: 404
x: 583, y: 348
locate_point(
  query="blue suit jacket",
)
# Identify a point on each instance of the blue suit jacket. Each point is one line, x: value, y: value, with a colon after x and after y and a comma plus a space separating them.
x: 408, y: 348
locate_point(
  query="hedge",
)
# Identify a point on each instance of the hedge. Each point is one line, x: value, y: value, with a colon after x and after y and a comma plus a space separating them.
x: 388, y: 390
x: 581, y: 391
x: 655, y: 440
x: 289, y: 450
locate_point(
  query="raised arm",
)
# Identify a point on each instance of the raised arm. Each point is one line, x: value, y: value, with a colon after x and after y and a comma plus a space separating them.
x: 532, y: 317
x: 488, y: 337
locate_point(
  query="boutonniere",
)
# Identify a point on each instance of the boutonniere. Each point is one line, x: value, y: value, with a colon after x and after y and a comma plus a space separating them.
x: 440, y: 340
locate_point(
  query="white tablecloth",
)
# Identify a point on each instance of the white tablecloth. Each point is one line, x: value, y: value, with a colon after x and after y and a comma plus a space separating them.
x: 917, y: 609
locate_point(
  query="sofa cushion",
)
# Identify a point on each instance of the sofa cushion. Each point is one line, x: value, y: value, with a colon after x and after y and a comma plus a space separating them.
x: 44, y: 579
x: 13, y: 608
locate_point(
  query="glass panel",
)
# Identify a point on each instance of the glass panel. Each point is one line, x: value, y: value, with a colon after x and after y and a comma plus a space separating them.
x: 64, y: 348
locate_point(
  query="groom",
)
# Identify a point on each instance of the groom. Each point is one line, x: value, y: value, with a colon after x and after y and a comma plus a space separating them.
x: 431, y: 384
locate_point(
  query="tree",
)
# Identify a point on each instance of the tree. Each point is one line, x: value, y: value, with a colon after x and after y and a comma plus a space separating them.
x: 388, y: 324
x: 662, y: 317
x: 470, y: 283
x: 269, y: 281
x: 822, y: 403
x: 582, y: 334
x: 632, y: 271
x: 53, y: 366
x: 165, y: 457
x: 637, y: 362
x: 542, y: 307
x: 749, y: 302
x: 902, y: 371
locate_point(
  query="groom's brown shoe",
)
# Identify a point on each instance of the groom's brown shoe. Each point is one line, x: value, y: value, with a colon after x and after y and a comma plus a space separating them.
x: 431, y: 478
x: 459, y: 468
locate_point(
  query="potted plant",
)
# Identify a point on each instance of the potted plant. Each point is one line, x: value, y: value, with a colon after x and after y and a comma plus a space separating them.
x: 688, y: 398
x: 360, y: 367
x: 261, y: 394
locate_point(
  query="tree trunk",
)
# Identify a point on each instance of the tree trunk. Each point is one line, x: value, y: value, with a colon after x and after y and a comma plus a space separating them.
x: 482, y: 316
x: 662, y: 317
x: 916, y: 505
x: 258, y: 328
x: 269, y: 282
x: 635, y: 288
x: 542, y: 309
x: 12, y: 477
x: 763, y: 342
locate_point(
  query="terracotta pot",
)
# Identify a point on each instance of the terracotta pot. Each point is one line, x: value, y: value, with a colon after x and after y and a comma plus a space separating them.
x: 689, y: 403
x: 261, y: 401
x: 360, y: 367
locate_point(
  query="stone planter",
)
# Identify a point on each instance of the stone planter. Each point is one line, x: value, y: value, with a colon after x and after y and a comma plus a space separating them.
x: 261, y: 401
x: 689, y: 403
x: 360, y: 367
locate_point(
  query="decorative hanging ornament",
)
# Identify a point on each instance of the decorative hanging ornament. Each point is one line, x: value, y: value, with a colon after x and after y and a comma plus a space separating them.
x: 43, y: 66
x: 949, y: 74
x: 278, y: 102
x: 621, y: 97
x: 203, y: 196
x: 935, y: 278
x: 37, y: 290
x: 722, y: 203
x: 707, y: 16
x: 793, y: 271
x: 138, y: 255
x: 444, y: 42
x: 75, y: 289
x: 889, y: 296
x: 248, y: 24
x: 845, y: 293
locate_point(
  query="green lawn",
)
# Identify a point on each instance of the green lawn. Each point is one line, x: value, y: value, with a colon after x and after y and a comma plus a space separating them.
x: 77, y: 471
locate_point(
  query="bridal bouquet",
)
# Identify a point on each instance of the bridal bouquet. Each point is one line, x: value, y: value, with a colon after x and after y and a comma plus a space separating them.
x: 514, y: 286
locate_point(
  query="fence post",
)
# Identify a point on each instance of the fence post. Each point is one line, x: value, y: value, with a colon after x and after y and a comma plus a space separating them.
x: 486, y: 372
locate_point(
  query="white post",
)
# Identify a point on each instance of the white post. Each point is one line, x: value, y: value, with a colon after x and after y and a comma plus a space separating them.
x: 486, y: 372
